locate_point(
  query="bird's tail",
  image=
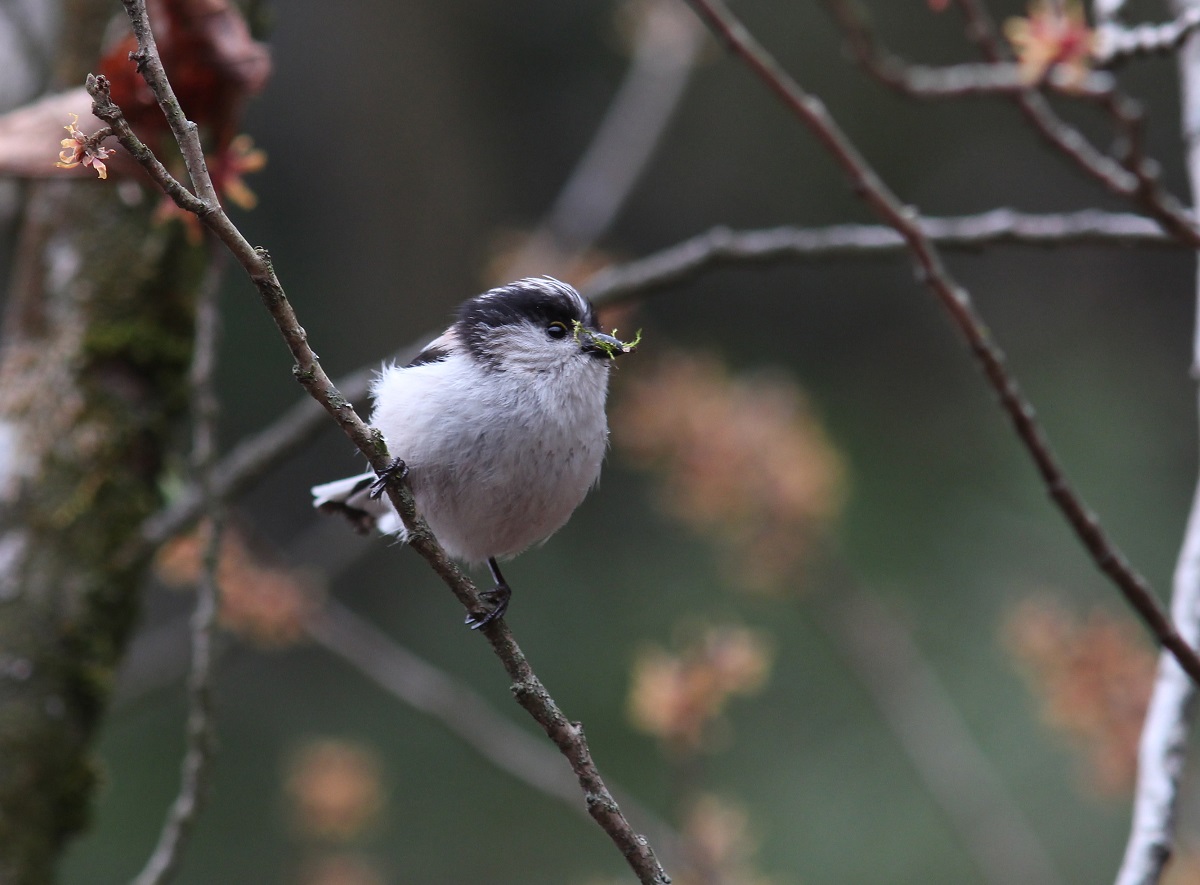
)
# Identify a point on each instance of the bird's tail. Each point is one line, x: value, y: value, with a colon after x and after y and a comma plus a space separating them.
x: 351, y: 498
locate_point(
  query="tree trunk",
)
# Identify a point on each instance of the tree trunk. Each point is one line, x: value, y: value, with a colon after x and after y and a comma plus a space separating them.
x: 96, y: 348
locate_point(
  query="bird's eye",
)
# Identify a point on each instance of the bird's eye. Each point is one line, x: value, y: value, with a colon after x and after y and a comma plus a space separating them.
x: 557, y: 330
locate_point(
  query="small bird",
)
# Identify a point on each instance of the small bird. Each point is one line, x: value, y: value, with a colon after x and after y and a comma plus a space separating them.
x: 499, y: 425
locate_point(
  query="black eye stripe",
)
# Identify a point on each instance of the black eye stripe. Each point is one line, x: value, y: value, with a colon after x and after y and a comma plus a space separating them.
x: 538, y: 302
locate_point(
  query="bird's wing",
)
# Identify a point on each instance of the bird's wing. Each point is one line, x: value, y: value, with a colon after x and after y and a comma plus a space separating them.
x: 436, y: 350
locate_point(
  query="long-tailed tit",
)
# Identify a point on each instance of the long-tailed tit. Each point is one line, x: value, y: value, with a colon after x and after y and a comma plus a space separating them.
x: 499, y: 423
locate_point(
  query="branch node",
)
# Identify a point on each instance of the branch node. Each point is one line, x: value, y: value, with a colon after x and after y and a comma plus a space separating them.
x: 598, y: 802
x: 525, y: 689
x: 378, y: 443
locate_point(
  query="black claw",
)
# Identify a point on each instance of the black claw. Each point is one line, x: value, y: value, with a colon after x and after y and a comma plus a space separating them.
x: 397, y: 469
x: 498, y: 596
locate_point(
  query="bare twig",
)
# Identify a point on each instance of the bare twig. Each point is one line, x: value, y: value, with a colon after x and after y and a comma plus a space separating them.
x: 430, y: 690
x: 182, y: 815
x: 998, y: 76
x: 527, y: 688
x: 966, y: 80
x: 1162, y: 753
x: 1135, y: 177
x: 916, y: 708
x: 251, y: 458
x: 957, y: 303
x: 721, y: 247
x: 1117, y: 43
x: 666, y: 45
x: 422, y: 686
x: 464, y: 712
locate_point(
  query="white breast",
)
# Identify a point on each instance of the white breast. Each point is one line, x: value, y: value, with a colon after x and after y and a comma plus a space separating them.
x: 497, y: 461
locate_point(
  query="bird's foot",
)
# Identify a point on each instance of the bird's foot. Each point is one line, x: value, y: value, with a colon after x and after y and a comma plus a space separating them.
x: 397, y: 469
x: 498, y: 597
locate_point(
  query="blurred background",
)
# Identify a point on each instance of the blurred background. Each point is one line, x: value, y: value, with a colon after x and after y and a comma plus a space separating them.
x: 820, y: 617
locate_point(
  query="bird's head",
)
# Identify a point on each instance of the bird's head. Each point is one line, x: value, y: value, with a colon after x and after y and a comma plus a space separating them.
x: 537, y: 324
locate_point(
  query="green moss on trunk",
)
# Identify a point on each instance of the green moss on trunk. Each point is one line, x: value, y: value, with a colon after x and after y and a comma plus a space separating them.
x: 92, y: 385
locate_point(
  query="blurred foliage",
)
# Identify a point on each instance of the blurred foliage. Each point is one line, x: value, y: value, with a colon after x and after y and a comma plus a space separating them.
x: 1093, y: 679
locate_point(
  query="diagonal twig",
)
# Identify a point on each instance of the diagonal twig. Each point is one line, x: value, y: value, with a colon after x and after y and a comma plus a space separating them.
x: 249, y: 461
x: 256, y: 454
x: 526, y: 686
x: 916, y: 707
x: 1134, y: 176
x: 957, y: 303
x: 667, y: 43
x: 461, y: 709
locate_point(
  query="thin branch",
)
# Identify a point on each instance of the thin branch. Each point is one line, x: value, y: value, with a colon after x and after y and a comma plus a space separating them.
x: 998, y: 76
x: 249, y: 460
x: 153, y: 664
x: 968, y: 80
x: 666, y: 45
x: 956, y: 301
x: 917, y: 709
x: 181, y: 817
x: 462, y: 710
x: 417, y: 683
x: 721, y: 247
x: 1135, y: 177
x: 430, y: 690
x: 256, y: 454
x: 149, y: 65
x: 527, y: 688
x: 1162, y: 753
x: 1117, y: 43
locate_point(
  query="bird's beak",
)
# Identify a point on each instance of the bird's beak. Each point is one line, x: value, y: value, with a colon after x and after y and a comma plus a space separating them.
x: 600, y: 345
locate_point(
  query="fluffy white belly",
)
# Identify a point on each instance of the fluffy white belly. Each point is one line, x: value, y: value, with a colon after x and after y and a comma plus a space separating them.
x: 494, y: 474
x: 497, y: 496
